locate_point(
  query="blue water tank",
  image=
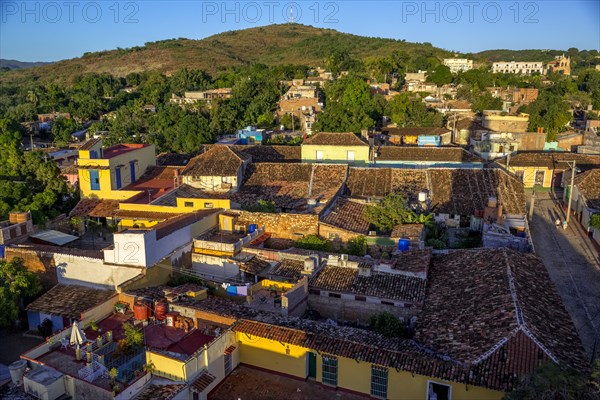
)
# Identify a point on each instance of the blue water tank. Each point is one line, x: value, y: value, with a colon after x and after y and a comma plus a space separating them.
x: 403, y: 245
x: 252, y: 228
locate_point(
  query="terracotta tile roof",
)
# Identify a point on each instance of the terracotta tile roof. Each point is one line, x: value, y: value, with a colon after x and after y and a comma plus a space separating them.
x: 289, y: 269
x: 395, y: 131
x: 219, y: 160
x: 288, y: 185
x: 202, y: 382
x: 71, y: 251
x: 145, y: 215
x: 254, y: 266
x: 89, y: 144
x: 356, y: 344
x: 229, y: 350
x: 69, y: 300
x: 261, y: 154
x: 588, y: 185
x: 187, y: 192
x: 69, y: 169
x: 334, y: 139
x: 160, y: 392
x: 479, y: 300
x: 413, y: 261
x: 408, y: 231
x: 348, y: 215
x: 174, y: 159
x: 95, y: 208
x: 431, y: 154
x: 379, y: 284
x: 462, y: 191
x: 552, y: 160
x: 468, y: 124
x: 378, y: 182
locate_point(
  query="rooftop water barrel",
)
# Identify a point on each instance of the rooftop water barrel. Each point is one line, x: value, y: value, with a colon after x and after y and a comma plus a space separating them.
x: 403, y: 245
x: 140, y: 311
x: 252, y: 228
x: 160, y: 310
x: 17, y: 369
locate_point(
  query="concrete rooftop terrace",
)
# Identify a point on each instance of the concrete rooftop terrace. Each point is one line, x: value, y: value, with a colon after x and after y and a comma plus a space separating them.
x: 120, y: 149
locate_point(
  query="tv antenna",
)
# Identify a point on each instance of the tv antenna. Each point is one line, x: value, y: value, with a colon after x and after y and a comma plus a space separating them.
x: 291, y: 15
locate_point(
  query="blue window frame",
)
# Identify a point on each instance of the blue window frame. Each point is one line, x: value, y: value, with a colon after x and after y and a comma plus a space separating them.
x: 118, y: 176
x: 94, y: 180
x: 132, y: 170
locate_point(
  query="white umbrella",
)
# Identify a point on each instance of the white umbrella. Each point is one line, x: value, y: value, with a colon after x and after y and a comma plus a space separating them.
x: 76, y: 335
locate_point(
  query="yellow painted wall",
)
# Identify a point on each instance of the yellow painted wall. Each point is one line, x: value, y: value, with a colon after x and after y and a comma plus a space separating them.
x: 166, y: 365
x: 352, y: 375
x: 271, y: 355
x: 337, y: 154
x: 140, y: 223
x: 267, y: 284
x: 144, y: 157
x: 200, y: 204
x: 529, y: 175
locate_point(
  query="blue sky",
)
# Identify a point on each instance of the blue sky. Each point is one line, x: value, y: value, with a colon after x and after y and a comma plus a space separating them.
x: 55, y: 30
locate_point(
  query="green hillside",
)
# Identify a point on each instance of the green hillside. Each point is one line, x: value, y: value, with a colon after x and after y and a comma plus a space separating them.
x: 272, y: 45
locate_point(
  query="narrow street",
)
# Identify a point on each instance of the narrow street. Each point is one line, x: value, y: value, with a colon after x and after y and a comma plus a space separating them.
x: 573, y: 265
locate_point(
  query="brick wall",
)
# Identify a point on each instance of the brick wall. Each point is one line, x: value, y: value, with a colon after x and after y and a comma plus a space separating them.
x: 338, y: 235
x: 283, y: 226
x: 40, y: 262
x: 352, y: 310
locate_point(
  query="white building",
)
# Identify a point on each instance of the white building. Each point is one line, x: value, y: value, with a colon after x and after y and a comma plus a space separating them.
x: 518, y: 67
x: 458, y: 64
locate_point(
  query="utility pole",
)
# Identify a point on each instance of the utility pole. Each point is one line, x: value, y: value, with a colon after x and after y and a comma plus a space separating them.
x: 571, y: 190
x: 531, y: 205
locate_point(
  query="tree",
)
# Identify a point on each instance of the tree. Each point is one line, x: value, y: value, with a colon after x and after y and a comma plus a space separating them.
x: 62, y: 128
x: 441, y: 75
x: 350, y: 106
x: 554, y: 381
x: 313, y: 242
x: 391, y: 211
x: 595, y: 221
x: 16, y: 283
x: 387, y: 324
x: 357, y: 246
x: 485, y: 101
x: 406, y: 111
x: 263, y: 206
x: 549, y: 111
x: 133, y: 338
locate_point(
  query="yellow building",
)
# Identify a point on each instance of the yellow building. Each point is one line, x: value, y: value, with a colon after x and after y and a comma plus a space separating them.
x: 547, y: 169
x: 366, y: 367
x: 104, y: 172
x: 335, y: 147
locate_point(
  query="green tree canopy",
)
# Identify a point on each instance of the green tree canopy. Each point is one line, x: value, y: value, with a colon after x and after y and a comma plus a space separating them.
x: 350, y: 106
x: 15, y: 283
x: 406, y: 111
x: 62, y: 129
x: 440, y: 76
x: 391, y: 211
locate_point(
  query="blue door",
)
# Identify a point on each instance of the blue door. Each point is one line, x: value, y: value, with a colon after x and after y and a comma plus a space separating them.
x: 94, y: 180
x: 118, y: 176
x: 132, y: 170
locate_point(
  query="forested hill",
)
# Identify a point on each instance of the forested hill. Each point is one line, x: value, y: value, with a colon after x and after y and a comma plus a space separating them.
x: 271, y: 45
